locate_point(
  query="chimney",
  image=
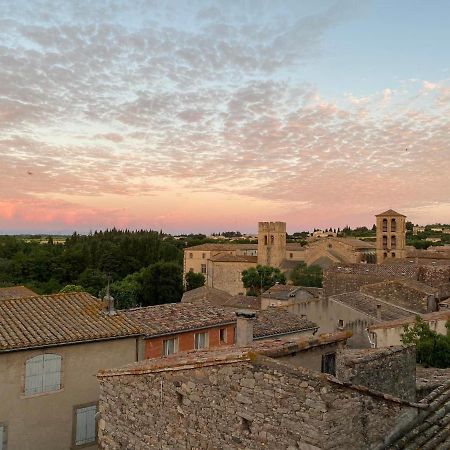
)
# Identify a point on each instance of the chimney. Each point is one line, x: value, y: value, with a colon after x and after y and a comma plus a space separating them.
x: 109, y: 299
x: 378, y: 311
x: 244, y: 327
x: 432, y: 304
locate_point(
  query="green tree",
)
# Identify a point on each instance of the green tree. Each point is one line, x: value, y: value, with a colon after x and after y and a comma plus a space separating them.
x: 432, y: 349
x: 260, y: 278
x: 161, y: 283
x: 127, y: 292
x: 72, y: 288
x: 194, y: 280
x: 303, y: 275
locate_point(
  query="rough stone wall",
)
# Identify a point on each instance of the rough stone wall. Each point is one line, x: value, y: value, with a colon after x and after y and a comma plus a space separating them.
x: 350, y: 277
x: 241, y: 405
x: 227, y: 276
x: 398, y: 294
x: 391, y: 370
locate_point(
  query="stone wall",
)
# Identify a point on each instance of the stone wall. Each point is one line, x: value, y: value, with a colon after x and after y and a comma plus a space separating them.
x: 253, y: 404
x: 391, y: 370
x: 227, y: 276
x: 434, y: 275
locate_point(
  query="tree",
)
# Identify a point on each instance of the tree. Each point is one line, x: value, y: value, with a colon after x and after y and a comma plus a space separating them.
x: 194, y: 280
x: 432, y: 349
x: 71, y: 288
x: 127, y: 293
x: 303, y: 275
x: 257, y: 279
x: 161, y: 283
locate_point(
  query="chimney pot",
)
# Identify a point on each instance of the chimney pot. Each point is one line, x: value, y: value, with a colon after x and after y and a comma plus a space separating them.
x: 244, y: 327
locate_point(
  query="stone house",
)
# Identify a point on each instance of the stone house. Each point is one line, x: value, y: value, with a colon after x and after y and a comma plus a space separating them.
x: 51, y: 347
x: 261, y: 396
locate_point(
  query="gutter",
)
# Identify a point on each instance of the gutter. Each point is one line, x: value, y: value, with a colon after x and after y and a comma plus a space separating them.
x: 186, y: 330
x: 267, y: 336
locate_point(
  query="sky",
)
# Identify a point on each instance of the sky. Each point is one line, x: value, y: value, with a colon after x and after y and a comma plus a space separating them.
x: 206, y: 116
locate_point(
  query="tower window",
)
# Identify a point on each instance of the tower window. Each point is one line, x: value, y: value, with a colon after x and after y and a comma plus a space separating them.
x: 393, y: 242
x: 393, y: 225
x: 384, y: 225
x: 385, y: 242
x: 272, y: 239
x: 265, y: 240
x: 393, y: 254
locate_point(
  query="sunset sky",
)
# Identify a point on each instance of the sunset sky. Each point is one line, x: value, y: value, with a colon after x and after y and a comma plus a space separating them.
x: 213, y: 115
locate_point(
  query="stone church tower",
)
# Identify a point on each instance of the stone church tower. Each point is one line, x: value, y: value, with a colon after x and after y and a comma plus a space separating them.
x: 271, y: 243
x: 391, y: 235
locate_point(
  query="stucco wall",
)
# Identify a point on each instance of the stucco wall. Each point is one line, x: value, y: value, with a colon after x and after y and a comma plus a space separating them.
x: 45, y: 421
x: 242, y: 405
x: 186, y: 341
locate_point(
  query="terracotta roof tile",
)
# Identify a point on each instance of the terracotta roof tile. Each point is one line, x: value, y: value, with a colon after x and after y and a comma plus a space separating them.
x: 57, y: 320
x: 275, y: 321
x: 206, y: 294
x: 173, y: 318
x: 15, y: 292
x: 222, y: 247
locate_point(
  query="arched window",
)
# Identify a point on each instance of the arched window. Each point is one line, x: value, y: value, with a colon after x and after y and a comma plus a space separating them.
x: 384, y: 241
x: 43, y: 374
x: 384, y: 225
x: 393, y: 225
x: 393, y: 254
x: 265, y: 240
x: 393, y: 242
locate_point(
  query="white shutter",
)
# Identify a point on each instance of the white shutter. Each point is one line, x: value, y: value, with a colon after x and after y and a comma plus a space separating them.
x: 85, y: 427
x: 34, y: 375
x: 52, y: 373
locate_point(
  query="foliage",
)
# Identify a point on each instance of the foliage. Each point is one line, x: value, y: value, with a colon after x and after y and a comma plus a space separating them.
x: 432, y: 349
x: 194, y: 280
x: 261, y: 277
x: 161, y: 283
x: 127, y: 292
x: 303, y: 275
x: 72, y: 288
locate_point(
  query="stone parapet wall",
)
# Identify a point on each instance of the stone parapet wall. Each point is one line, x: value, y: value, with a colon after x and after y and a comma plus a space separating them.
x: 241, y: 404
x: 391, y: 370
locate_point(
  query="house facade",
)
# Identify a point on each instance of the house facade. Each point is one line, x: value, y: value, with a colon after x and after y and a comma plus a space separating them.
x: 51, y: 347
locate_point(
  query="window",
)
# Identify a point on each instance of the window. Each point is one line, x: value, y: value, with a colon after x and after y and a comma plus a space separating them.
x: 223, y: 335
x: 201, y: 340
x: 384, y: 225
x: 203, y: 255
x: 272, y: 239
x: 170, y: 346
x: 393, y: 242
x: 341, y: 324
x: 329, y: 363
x: 2, y: 436
x: 85, y: 424
x: 203, y: 268
x: 393, y: 254
x: 191, y: 255
x: 393, y: 226
x: 384, y: 241
x: 265, y: 240
x: 43, y: 374
x: 291, y: 255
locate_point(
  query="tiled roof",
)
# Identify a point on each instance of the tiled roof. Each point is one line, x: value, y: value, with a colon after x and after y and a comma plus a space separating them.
x: 275, y: 321
x: 222, y: 247
x: 226, y: 257
x: 206, y: 294
x: 295, y: 246
x: 243, y: 301
x: 368, y: 305
x: 172, y: 318
x: 58, y: 319
x: 437, y: 315
x: 390, y: 212
x: 285, y: 291
x: 356, y: 243
x: 15, y: 292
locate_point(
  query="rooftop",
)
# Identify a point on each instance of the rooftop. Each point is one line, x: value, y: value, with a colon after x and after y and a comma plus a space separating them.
x: 243, y: 301
x: 15, y: 292
x: 276, y: 321
x: 172, y: 318
x: 206, y: 294
x: 368, y: 305
x: 390, y: 213
x: 58, y: 319
x: 437, y: 315
x: 222, y: 247
x: 286, y: 291
x: 226, y: 257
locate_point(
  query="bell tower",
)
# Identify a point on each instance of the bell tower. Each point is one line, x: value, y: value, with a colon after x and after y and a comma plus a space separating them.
x: 391, y: 236
x: 271, y: 243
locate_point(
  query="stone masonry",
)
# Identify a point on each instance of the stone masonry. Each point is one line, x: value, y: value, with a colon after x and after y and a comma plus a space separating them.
x: 391, y: 370
x: 240, y: 400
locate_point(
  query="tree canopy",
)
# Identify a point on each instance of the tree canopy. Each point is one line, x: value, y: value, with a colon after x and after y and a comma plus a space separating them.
x: 194, y: 280
x: 260, y: 278
x: 303, y: 275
